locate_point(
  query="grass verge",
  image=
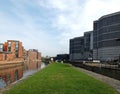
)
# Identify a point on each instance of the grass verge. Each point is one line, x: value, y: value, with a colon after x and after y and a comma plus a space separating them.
x: 61, y: 79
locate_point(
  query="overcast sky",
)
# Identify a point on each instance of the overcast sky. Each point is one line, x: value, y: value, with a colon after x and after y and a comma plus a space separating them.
x: 47, y: 25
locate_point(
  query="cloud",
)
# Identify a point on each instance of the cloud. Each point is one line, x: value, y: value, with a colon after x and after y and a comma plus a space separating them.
x: 24, y: 28
x: 48, y: 25
x: 94, y: 9
x: 67, y: 19
x: 74, y: 17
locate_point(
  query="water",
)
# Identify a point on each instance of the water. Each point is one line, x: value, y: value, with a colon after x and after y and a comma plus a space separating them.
x: 31, y: 72
x: 2, y: 83
x: 25, y: 75
x: 43, y: 65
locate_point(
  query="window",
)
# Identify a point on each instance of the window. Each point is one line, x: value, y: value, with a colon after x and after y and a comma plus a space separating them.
x: 1, y: 47
x: 16, y: 75
x: 9, y: 46
x: 16, y: 48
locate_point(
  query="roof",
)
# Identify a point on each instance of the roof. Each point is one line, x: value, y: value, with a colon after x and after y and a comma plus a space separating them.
x: 77, y: 38
x: 109, y: 15
x: 13, y: 40
x: 88, y: 32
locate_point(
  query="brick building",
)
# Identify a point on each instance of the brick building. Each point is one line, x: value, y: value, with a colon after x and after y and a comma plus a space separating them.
x: 32, y: 59
x: 11, y: 62
x: 11, y: 50
x: 14, y: 60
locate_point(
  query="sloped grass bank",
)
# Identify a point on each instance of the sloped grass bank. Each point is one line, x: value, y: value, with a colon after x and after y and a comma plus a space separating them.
x: 59, y: 78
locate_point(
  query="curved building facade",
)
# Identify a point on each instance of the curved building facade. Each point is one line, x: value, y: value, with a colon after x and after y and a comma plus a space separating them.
x: 106, y: 41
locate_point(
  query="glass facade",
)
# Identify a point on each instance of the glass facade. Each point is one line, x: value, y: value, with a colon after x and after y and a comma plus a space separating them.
x: 88, y: 41
x: 107, y: 31
x: 109, y: 20
x: 106, y: 37
x: 95, y: 26
x: 77, y: 45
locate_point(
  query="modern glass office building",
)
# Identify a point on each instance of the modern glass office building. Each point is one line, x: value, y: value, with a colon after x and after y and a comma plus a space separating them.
x: 76, y: 49
x: 88, y: 45
x: 81, y: 48
x: 106, y: 38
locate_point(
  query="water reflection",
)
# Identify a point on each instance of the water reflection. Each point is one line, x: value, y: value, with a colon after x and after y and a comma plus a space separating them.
x: 31, y: 72
x: 2, y: 83
x: 25, y: 75
x: 43, y: 65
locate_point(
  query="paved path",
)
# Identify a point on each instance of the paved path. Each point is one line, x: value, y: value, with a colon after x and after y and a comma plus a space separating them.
x: 112, y: 82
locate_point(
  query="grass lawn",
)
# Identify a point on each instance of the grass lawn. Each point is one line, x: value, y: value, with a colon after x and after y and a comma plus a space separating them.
x: 59, y: 78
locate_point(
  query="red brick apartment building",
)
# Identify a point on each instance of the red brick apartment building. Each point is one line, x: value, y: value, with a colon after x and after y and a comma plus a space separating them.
x: 14, y: 60
x: 11, y: 50
x: 11, y: 61
x: 32, y: 59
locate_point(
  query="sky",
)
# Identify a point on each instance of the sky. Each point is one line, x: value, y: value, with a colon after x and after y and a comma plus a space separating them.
x: 47, y: 25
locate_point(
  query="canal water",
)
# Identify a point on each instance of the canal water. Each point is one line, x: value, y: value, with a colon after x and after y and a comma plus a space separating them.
x: 25, y: 75
x: 31, y: 72
x: 2, y: 83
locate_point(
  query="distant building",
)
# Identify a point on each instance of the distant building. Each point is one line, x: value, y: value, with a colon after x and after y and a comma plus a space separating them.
x: 62, y: 57
x: 76, y: 49
x: 81, y: 48
x: 14, y: 60
x: 88, y: 45
x: 107, y: 37
x: 32, y: 59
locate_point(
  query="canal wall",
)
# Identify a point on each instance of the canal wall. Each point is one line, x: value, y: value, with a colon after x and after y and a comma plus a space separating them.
x: 110, y: 72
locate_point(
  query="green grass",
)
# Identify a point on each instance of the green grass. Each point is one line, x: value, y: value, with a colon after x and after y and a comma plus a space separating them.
x: 61, y: 79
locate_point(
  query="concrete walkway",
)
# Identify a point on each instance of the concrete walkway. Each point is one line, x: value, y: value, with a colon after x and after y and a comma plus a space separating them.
x: 112, y: 82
